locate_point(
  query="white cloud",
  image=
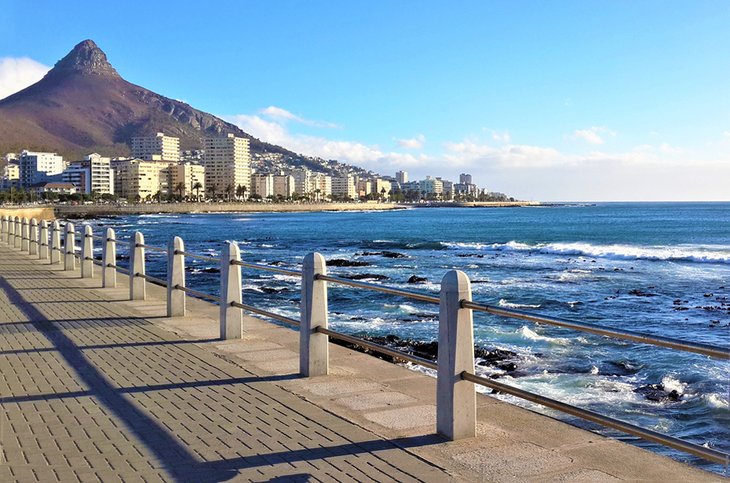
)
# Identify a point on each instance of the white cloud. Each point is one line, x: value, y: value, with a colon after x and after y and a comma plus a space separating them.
x: 412, y: 143
x: 17, y: 73
x: 282, y: 115
x: 502, y: 137
x: 367, y: 156
x: 726, y: 134
x: 593, y: 135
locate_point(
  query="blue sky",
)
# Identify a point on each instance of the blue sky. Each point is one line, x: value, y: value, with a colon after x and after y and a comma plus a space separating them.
x: 584, y: 100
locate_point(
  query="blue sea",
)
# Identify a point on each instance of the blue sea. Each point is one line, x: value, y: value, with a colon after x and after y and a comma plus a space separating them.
x: 659, y: 268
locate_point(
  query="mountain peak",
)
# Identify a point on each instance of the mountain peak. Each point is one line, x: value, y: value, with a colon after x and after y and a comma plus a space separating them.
x: 85, y: 58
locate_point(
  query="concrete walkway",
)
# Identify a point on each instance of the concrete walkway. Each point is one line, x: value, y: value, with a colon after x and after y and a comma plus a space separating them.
x: 95, y: 387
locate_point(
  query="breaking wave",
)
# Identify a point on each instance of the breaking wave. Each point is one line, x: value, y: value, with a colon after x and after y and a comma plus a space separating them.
x: 697, y: 254
x: 510, y: 305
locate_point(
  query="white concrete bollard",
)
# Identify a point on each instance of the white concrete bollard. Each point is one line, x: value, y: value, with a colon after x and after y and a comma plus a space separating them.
x: 55, y: 243
x: 11, y: 231
x: 109, y: 260
x: 87, y: 253
x: 313, y: 346
x: 137, y: 284
x: 33, y: 237
x: 231, y: 318
x: 69, y: 247
x: 25, y: 235
x: 455, y: 397
x: 18, y: 232
x: 4, y: 228
x: 43, y: 241
x: 175, y: 277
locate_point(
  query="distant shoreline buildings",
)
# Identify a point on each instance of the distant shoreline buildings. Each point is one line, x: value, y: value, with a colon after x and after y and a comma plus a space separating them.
x: 222, y: 169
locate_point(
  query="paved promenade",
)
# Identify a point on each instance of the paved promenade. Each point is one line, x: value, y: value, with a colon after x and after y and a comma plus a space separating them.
x: 94, y: 387
x: 91, y: 392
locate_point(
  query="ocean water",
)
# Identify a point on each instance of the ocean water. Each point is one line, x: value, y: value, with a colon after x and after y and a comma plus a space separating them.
x: 659, y: 268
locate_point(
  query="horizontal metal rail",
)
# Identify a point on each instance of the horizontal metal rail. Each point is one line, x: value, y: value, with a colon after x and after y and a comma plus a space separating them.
x: 151, y: 279
x: 377, y: 347
x: 150, y: 247
x: 266, y: 313
x: 647, y: 434
x: 704, y: 349
x: 122, y: 269
x: 198, y: 294
x: 199, y: 257
x: 268, y: 268
x: 379, y: 288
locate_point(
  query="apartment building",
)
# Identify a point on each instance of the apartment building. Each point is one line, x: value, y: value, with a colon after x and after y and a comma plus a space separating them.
x: 188, y: 176
x: 344, y: 187
x: 262, y: 185
x: 92, y: 174
x: 284, y: 185
x: 36, y: 167
x: 137, y: 179
x: 156, y: 148
x: 401, y: 177
x: 227, y: 161
x: 431, y: 186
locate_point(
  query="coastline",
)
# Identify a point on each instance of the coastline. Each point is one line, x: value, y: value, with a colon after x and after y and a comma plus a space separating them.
x: 92, y: 211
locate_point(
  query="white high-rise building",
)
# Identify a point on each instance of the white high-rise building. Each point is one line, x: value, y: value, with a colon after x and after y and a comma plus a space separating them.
x: 401, y: 177
x: 156, y: 148
x: 344, y: 186
x: 227, y: 162
x: 93, y: 174
x: 37, y: 167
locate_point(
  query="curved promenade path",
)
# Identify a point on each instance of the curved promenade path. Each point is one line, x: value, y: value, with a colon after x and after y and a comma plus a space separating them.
x: 94, y: 387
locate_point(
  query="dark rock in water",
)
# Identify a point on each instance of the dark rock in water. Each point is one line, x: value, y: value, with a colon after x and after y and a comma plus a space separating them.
x: 500, y: 358
x: 387, y: 254
x: 658, y: 393
x: 341, y: 262
x: 620, y: 368
x: 273, y: 290
x: 479, y: 281
x: 641, y: 293
x: 416, y: 279
x: 211, y: 270
x: 366, y: 276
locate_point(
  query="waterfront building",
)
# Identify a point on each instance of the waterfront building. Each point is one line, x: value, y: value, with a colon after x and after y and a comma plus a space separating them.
x: 54, y: 187
x: 344, y: 186
x: 188, y: 176
x: 302, y: 181
x: 364, y: 187
x: 227, y: 162
x: 284, y: 185
x: 322, y: 185
x: 262, y: 185
x: 382, y: 188
x: 447, y: 189
x: 92, y: 174
x: 465, y: 178
x: 36, y: 167
x: 140, y: 180
x: 401, y: 177
x: 11, y: 176
x: 431, y: 187
x: 156, y: 148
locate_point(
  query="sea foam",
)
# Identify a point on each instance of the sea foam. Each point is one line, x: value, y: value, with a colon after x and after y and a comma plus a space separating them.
x: 697, y: 254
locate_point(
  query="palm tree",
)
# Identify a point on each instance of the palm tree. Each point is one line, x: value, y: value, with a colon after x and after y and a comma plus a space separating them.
x: 240, y: 191
x: 211, y: 191
x: 197, y: 186
x: 229, y: 191
x: 180, y: 187
x: 382, y: 194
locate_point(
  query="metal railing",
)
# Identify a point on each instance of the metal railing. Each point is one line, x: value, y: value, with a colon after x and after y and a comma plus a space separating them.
x: 455, y: 314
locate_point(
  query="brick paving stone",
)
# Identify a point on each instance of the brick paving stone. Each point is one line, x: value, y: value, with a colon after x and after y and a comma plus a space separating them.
x: 90, y: 391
